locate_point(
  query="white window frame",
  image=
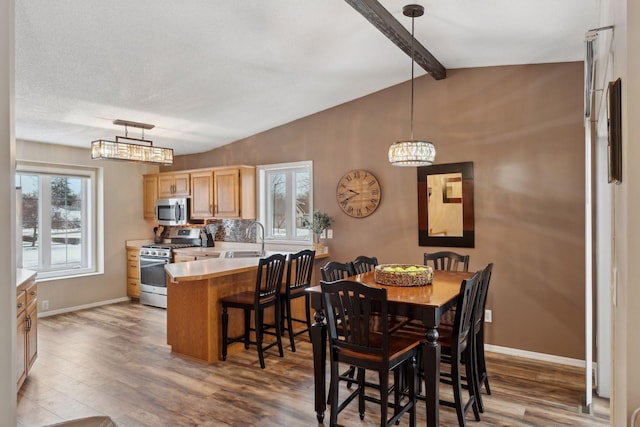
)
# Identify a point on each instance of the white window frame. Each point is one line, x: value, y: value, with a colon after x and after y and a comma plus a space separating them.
x: 263, y: 198
x: 89, y: 214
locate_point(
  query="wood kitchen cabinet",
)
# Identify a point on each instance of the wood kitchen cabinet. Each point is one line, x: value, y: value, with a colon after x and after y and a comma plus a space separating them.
x: 173, y: 185
x: 27, y: 328
x: 150, y: 195
x: 133, y: 273
x: 224, y: 193
x: 202, y: 194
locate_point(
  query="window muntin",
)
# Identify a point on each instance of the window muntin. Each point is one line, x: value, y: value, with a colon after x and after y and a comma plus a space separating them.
x: 286, y: 195
x: 58, y: 232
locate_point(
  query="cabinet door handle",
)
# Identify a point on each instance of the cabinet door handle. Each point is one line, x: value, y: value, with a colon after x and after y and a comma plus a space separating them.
x: 28, y: 320
x: 20, y: 305
x: 211, y: 209
x: 33, y: 292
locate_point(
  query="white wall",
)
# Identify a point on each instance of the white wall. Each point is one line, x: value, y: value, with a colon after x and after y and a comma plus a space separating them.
x: 625, y: 16
x: 121, y: 202
x: 7, y: 259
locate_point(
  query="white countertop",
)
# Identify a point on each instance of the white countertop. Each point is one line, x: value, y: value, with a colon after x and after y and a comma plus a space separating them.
x: 23, y: 276
x: 209, y: 268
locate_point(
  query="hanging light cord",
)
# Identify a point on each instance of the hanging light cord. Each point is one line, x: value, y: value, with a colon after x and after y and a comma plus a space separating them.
x: 413, y: 18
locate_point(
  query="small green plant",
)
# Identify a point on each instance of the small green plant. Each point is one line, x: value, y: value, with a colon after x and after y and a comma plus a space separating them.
x: 320, y: 221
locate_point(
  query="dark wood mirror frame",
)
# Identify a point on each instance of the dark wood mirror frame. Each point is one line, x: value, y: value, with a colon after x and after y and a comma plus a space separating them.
x: 467, y: 240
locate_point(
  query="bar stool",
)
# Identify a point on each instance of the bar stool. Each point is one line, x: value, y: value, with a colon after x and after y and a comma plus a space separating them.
x: 266, y: 294
x: 299, y: 271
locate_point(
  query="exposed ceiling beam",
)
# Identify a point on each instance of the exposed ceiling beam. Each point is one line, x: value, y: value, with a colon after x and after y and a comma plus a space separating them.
x: 380, y: 17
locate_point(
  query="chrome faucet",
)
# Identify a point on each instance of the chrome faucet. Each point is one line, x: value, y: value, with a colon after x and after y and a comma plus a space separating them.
x: 256, y: 223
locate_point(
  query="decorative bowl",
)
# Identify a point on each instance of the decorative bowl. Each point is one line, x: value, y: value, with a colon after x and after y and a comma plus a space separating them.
x: 403, y: 274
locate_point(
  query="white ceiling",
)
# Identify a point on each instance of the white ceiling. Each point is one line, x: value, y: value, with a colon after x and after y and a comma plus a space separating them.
x: 207, y: 73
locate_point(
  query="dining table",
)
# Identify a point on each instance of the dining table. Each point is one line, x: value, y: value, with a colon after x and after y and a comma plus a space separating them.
x: 426, y: 303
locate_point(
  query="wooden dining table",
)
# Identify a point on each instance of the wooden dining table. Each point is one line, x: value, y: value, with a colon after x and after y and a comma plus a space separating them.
x: 426, y: 303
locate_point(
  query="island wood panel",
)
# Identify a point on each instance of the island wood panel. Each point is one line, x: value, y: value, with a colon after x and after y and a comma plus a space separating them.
x: 194, y: 313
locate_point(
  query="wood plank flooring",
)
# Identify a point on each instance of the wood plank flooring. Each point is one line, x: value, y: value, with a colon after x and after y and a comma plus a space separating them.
x: 113, y: 360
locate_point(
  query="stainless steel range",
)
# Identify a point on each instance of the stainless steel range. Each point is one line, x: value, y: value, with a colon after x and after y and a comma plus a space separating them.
x: 153, y: 279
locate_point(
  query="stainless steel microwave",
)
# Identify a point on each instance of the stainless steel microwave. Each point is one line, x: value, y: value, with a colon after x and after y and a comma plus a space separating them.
x: 173, y: 211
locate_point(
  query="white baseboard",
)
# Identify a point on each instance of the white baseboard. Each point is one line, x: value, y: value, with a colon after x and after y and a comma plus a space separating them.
x: 82, y: 307
x: 578, y: 363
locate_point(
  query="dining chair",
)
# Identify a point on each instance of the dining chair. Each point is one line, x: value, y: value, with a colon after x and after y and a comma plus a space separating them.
x: 478, y: 333
x: 362, y: 264
x: 447, y: 260
x: 265, y: 295
x: 349, y: 306
x: 457, y: 348
x: 334, y: 270
x: 299, y: 271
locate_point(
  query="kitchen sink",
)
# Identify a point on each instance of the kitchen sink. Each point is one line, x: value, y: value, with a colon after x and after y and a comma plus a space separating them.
x: 242, y: 254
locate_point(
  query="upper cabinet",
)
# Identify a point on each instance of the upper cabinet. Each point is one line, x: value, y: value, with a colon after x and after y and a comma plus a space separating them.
x: 202, y: 194
x: 150, y: 195
x: 224, y: 193
x: 173, y: 185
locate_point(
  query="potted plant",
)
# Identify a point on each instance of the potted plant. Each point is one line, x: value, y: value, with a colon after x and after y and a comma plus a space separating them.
x: 319, y: 222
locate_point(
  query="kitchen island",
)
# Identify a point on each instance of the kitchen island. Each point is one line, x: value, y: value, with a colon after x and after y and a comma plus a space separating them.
x: 194, y: 313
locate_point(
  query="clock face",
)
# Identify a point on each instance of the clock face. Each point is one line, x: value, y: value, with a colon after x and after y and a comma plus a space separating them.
x: 358, y: 193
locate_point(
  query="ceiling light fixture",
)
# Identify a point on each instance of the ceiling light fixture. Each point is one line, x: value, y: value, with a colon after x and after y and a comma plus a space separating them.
x: 116, y: 150
x: 412, y: 152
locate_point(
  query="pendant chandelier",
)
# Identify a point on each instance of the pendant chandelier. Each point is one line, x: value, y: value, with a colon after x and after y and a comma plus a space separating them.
x: 117, y: 150
x: 412, y: 152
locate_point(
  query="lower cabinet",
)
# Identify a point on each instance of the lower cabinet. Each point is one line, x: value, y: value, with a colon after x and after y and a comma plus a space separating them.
x: 27, y: 329
x: 133, y: 273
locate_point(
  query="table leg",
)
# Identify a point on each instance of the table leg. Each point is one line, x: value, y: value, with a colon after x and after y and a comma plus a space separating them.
x: 319, y: 342
x: 431, y: 365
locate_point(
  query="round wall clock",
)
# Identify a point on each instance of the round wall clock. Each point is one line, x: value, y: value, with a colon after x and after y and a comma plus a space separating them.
x: 358, y: 193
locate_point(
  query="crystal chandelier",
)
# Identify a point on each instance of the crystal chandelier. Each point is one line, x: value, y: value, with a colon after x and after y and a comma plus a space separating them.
x: 116, y: 150
x: 412, y: 152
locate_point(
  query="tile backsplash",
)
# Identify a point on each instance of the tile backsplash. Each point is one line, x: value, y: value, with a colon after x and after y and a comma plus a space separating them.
x: 234, y: 230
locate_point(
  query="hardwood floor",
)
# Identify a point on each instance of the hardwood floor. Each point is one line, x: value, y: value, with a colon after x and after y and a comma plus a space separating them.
x: 113, y: 360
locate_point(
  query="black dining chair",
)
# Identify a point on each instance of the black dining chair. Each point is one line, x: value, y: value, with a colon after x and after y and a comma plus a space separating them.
x: 334, y: 270
x: 363, y: 264
x: 447, y: 260
x: 457, y: 343
x: 265, y: 295
x: 299, y: 271
x: 482, y: 377
x: 349, y: 306
x: 457, y: 348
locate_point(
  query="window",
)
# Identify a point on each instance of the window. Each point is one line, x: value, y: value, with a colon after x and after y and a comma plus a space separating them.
x: 285, y: 199
x: 56, y: 219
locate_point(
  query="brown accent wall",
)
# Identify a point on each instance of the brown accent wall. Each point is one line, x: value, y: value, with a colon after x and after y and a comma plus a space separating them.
x: 522, y: 128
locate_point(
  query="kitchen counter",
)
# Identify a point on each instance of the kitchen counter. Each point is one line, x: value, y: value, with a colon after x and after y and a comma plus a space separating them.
x: 194, y: 312
x: 137, y: 244
x: 214, y: 267
x: 24, y: 276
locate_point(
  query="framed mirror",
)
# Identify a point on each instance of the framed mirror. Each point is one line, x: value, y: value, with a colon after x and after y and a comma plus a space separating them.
x: 445, y: 205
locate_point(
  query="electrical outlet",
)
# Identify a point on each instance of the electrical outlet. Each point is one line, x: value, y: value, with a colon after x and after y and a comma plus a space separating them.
x: 323, y: 235
x: 45, y: 305
x: 488, y: 317
x: 329, y: 234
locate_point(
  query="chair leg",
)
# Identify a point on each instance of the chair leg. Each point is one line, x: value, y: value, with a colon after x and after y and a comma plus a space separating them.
x: 456, y: 380
x: 259, y: 328
x: 384, y: 397
x: 277, y: 321
x: 472, y: 381
x: 287, y: 309
x: 333, y: 395
x: 225, y: 325
x: 482, y: 367
x: 247, y: 328
x: 361, y: 405
x: 412, y: 391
